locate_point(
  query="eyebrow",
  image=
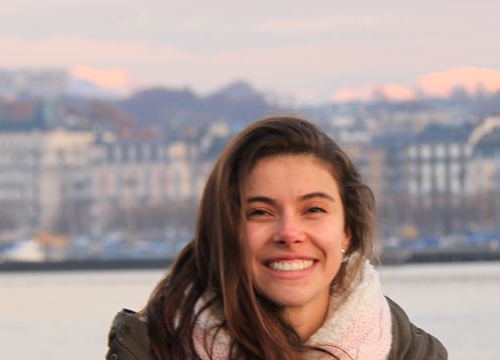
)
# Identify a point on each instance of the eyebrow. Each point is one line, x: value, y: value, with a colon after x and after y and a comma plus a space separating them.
x: 317, y: 194
x: 267, y: 200
x: 262, y: 199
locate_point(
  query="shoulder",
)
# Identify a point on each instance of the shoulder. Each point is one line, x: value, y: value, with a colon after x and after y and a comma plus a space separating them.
x: 411, y: 342
x: 128, y: 338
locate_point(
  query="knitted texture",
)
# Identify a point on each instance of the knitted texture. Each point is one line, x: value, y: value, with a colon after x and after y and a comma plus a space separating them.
x: 357, y: 326
x: 358, y: 322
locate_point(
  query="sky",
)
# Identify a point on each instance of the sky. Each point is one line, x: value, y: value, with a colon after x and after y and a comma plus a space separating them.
x: 305, y: 51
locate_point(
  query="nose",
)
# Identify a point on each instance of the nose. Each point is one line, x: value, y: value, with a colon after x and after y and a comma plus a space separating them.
x: 288, y: 230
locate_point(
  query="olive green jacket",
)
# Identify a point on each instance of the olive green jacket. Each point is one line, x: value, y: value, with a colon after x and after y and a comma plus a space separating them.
x: 128, y: 339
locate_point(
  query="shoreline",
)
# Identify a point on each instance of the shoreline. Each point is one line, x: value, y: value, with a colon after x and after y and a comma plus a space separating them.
x: 388, y: 257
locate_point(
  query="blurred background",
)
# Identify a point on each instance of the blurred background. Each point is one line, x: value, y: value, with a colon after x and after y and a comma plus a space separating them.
x: 112, y: 114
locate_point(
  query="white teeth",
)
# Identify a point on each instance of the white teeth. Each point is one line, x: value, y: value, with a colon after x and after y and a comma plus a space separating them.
x: 297, y: 265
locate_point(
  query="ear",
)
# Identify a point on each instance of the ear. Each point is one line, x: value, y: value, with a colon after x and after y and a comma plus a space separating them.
x: 346, y: 241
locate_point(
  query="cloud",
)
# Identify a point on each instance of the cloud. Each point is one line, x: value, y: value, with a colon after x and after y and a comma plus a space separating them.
x: 318, y: 24
x: 116, y: 80
x: 303, y: 69
x: 393, y: 92
x: 471, y: 79
x: 349, y: 94
x: 436, y: 84
x: 70, y: 51
x: 104, y: 62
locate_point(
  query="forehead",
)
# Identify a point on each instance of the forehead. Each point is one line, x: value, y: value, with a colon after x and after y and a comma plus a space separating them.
x: 310, y: 159
x: 291, y: 171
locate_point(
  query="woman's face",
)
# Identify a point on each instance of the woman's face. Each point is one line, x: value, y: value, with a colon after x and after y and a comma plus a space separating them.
x: 294, y: 230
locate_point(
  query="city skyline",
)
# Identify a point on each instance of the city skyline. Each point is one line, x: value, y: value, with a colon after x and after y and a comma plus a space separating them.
x: 314, y: 53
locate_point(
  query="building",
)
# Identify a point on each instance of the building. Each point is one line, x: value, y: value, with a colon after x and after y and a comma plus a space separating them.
x: 483, y: 174
x: 448, y: 168
x: 41, y: 172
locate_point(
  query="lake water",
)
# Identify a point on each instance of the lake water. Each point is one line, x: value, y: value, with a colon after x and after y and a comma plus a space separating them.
x: 53, y: 315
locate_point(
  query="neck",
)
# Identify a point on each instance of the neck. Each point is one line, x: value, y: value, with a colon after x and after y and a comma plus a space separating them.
x: 306, y: 320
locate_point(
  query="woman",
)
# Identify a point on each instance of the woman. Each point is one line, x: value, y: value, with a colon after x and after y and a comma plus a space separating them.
x: 278, y: 266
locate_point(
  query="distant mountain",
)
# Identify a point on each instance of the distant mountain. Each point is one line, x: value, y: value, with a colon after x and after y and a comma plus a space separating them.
x: 238, y: 90
x: 160, y: 106
x: 236, y: 103
x: 175, y: 112
x: 159, y: 110
x: 85, y: 88
x: 98, y: 114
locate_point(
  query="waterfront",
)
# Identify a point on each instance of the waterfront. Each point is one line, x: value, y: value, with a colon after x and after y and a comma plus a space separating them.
x: 58, y: 315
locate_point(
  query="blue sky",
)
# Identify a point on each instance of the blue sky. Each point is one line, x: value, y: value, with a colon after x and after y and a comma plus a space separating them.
x: 308, y: 51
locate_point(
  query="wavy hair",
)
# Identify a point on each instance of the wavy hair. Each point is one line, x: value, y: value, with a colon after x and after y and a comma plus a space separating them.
x: 213, y: 263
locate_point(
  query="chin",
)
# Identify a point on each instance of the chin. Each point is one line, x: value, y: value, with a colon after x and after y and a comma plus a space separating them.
x: 292, y: 298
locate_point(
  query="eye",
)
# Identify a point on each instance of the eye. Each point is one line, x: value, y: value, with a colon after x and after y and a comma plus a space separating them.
x: 258, y: 213
x: 315, y: 210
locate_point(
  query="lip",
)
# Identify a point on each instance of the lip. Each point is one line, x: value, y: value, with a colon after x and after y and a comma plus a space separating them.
x: 288, y: 257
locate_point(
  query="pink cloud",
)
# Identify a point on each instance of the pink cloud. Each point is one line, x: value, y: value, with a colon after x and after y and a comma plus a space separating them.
x: 117, y: 80
x: 352, y: 94
x: 469, y: 78
x: 438, y: 84
x: 393, y: 92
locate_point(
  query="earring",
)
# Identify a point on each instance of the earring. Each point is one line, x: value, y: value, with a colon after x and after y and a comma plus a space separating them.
x: 345, y: 258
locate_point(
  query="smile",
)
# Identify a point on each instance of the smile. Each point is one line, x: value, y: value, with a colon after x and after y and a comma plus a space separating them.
x: 296, y: 265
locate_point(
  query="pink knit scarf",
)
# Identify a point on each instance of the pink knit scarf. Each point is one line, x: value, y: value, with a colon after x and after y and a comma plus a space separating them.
x: 357, y: 326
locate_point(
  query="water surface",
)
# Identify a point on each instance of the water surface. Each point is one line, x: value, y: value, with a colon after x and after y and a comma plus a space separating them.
x: 55, y: 315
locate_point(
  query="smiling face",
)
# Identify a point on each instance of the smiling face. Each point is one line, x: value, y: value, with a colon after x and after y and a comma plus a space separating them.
x: 294, y: 230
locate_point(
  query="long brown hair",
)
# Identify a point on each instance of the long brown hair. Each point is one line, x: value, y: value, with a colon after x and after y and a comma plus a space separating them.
x: 213, y: 262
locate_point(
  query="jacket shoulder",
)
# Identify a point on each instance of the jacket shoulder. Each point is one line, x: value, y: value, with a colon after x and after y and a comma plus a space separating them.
x: 128, y: 338
x: 411, y: 342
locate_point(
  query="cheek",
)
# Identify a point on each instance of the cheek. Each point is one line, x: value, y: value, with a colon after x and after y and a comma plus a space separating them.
x: 255, y: 238
x: 250, y: 250
x: 331, y: 237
